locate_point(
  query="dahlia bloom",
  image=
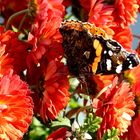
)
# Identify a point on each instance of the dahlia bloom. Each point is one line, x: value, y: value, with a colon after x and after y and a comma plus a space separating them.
x: 44, y: 11
x: 100, y: 14
x: 66, y: 3
x: 86, y: 6
x: 16, y: 107
x: 45, y: 30
x: 116, y: 107
x: 15, y: 49
x: 57, y: 7
x: 125, y: 12
x: 44, y: 59
x: 123, y: 36
x: 56, y: 95
x: 5, y: 61
x: 44, y: 38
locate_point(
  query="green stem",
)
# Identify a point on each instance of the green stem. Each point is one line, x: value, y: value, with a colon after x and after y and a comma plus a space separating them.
x: 13, y: 16
x: 22, y: 21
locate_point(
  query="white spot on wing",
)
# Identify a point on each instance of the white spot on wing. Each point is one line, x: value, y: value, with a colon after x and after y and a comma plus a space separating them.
x: 108, y: 63
x: 110, y: 53
x: 105, y: 52
x: 119, y: 68
x: 130, y: 66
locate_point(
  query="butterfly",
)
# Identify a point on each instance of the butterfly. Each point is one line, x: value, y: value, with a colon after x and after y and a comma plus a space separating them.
x: 89, y: 50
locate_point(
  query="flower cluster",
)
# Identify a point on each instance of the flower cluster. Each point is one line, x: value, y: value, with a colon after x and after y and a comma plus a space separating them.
x: 35, y: 78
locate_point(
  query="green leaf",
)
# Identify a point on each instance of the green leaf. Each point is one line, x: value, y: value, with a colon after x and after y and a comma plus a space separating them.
x: 74, y: 103
x: 14, y: 29
x: 37, y: 131
x: 61, y: 122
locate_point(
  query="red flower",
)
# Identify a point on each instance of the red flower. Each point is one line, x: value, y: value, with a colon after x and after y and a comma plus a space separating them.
x: 57, y: 7
x: 39, y: 9
x: 42, y: 9
x: 59, y: 134
x: 44, y: 38
x: 16, y: 107
x: 86, y: 6
x: 123, y: 36
x: 44, y: 12
x: 47, y: 34
x: 66, y: 3
x: 125, y: 12
x: 100, y: 14
x: 44, y: 59
x: 5, y: 61
x: 46, y: 47
x: 15, y: 49
x: 45, y: 30
x: 56, y: 95
x: 116, y: 107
